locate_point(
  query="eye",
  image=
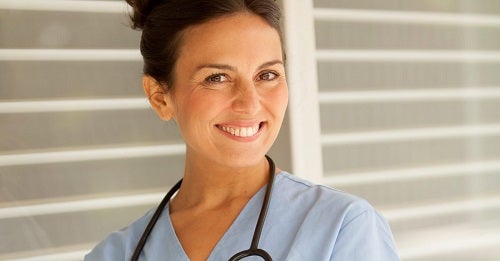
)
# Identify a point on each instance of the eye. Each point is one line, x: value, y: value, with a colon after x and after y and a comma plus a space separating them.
x: 216, y: 78
x: 268, y: 76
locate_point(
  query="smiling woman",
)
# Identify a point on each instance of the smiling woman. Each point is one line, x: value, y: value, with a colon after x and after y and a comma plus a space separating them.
x: 216, y: 68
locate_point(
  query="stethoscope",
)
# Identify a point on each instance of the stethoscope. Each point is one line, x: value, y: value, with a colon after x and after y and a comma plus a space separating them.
x: 254, y: 249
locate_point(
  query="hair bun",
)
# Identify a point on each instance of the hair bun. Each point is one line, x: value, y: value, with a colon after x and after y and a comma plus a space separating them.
x: 141, y: 11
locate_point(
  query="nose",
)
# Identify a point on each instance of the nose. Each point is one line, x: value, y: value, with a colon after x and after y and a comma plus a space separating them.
x: 247, y: 98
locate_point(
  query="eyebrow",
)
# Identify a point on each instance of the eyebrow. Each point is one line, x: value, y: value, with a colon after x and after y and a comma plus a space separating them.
x: 270, y: 63
x: 232, y: 68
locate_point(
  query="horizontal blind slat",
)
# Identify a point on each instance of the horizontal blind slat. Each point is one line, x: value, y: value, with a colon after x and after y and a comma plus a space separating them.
x: 409, y: 134
x: 406, y: 17
x: 66, y: 253
x: 66, y: 6
x: 56, y: 256
x: 463, y: 93
x: 409, y: 174
x: 70, y: 55
x: 11, y: 107
x: 90, y: 154
x: 79, y: 205
x: 65, y: 256
x: 395, y: 55
x: 441, y: 208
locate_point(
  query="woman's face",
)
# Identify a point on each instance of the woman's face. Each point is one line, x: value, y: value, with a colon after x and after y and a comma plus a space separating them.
x: 230, y: 92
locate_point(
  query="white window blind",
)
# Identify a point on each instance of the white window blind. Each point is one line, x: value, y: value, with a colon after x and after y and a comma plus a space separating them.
x: 409, y: 98
x: 81, y: 153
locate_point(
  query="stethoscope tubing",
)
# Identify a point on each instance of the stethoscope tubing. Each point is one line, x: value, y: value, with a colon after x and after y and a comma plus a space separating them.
x: 152, y: 221
x: 254, y: 249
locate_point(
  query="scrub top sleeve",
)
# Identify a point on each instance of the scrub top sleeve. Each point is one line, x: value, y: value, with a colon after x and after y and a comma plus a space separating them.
x: 365, y: 237
x: 113, y: 248
x: 120, y: 244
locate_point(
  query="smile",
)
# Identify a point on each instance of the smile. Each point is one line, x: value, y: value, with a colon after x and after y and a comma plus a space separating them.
x: 240, y: 131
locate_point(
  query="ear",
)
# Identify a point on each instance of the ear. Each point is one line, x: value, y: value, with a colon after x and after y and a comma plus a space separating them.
x: 158, y: 99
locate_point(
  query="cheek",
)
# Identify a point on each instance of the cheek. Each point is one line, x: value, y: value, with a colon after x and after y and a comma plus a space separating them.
x: 281, y: 99
x: 198, y: 108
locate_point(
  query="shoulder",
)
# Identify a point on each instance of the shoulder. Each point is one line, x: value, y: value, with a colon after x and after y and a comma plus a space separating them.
x: 120, y: 245
x: 341, y: 205
x: 348, y: 227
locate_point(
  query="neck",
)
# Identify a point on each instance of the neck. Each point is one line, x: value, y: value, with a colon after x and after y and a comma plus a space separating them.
x: 211, y: 185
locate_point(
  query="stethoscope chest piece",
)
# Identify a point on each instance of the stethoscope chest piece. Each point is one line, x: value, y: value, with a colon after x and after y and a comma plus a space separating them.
x: 251, y: 252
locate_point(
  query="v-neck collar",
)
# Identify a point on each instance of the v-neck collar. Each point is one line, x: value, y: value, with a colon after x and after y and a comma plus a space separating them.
x: 165, y: 243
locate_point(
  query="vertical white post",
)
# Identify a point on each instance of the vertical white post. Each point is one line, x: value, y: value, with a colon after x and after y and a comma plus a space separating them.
x: 303, y: 105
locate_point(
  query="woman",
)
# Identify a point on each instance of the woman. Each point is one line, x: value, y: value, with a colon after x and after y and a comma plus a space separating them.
x: 216, y: 68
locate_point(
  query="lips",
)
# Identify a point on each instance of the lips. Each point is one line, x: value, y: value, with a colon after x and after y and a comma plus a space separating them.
x: 240, y: 131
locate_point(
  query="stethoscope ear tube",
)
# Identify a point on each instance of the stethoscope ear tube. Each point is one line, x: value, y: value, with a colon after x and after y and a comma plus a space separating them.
x: 254, y: 249
x: 152, y: 221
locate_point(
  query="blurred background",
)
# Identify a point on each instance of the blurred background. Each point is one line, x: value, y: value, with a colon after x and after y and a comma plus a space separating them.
x: 395, y: 101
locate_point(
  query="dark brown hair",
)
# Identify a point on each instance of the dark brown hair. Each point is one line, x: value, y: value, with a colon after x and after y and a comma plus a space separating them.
x: 163, y: 22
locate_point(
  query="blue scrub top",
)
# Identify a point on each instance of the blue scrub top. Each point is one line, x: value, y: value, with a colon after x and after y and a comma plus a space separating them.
x: 304, y: 222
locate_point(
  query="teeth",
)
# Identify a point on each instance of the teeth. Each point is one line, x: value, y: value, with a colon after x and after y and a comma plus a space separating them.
x: 241, y: 132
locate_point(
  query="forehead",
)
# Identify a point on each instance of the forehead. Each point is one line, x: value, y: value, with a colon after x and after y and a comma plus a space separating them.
x: 237, y: 37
